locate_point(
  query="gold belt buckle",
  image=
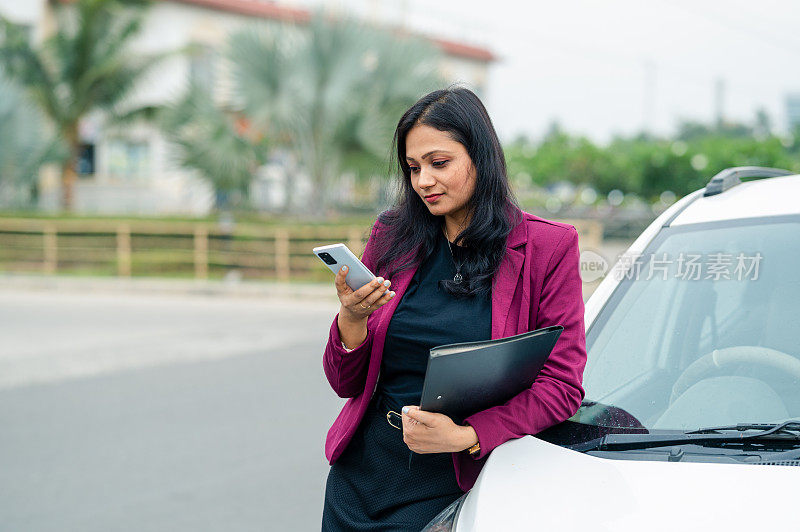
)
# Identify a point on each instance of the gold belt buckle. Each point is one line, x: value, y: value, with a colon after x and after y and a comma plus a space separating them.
x: 399, y: 419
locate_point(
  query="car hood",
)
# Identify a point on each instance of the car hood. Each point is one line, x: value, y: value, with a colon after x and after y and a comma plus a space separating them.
x: 529, y: 484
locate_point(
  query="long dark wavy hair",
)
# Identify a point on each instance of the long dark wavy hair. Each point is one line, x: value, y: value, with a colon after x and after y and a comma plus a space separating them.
x: 412, y: 229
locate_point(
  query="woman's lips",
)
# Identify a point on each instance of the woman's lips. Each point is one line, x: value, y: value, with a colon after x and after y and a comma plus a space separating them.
x: 431, y: 199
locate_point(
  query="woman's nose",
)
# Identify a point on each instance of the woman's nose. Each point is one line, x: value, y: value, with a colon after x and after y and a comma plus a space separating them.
x: 425, y: 179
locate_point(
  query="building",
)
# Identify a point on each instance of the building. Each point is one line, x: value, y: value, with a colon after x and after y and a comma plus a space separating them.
x: 135, y: 171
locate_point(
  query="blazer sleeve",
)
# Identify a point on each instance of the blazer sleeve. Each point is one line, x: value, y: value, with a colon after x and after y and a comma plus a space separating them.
x: 347, y: 370
x: 557, y: 392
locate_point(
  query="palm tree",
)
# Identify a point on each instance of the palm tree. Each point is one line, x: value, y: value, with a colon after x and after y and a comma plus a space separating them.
x: 218, y: 144
x: 82, y: 67
x: 333, y: 94
x: 23, y: 147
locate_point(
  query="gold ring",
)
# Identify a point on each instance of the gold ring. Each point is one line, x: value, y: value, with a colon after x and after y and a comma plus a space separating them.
x: 362, y: 306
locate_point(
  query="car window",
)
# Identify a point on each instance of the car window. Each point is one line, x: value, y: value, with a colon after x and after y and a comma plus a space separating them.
x: 708, y: 315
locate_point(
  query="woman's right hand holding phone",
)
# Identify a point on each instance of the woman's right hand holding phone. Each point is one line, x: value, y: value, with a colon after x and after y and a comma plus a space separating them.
x: 357, y: 305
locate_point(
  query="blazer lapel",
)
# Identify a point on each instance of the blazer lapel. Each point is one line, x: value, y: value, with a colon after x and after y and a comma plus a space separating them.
x: 506, y: 280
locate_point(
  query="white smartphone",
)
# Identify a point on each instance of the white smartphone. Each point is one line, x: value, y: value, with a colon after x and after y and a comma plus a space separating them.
x: 337, y: 255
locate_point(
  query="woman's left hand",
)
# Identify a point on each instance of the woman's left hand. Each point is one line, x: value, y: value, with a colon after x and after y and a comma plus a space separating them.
x: 428, y: 432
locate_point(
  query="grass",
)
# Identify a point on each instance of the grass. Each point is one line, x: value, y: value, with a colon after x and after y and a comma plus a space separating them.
x: 239, y: 217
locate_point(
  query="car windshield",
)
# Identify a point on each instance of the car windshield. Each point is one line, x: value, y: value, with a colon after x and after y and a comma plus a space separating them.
x: 703, y: 330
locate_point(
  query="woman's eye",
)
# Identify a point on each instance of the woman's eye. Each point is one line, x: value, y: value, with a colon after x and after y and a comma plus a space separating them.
x: 439, y: 164
x: 413, y: 169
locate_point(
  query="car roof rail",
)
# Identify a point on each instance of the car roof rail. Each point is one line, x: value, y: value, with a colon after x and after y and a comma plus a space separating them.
x: 730, y: 177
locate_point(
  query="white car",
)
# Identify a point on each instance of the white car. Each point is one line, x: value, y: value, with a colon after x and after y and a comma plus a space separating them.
x: 692, y: 412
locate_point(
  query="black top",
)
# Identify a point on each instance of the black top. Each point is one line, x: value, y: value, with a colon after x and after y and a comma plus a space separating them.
x: 426, y: 317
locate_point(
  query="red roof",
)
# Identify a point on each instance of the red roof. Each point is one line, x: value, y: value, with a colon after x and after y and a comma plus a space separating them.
x: 273, y: 11
x: 255, y: 8
x: 464, y: 50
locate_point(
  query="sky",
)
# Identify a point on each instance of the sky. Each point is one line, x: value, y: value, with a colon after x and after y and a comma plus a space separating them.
x: 606, y: 67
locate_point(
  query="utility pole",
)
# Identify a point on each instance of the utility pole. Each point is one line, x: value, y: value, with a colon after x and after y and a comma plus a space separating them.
x: 649, y: 104
x: 719, y: 93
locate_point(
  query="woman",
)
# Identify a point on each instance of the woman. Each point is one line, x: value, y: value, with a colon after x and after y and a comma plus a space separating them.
x: 464, y: 263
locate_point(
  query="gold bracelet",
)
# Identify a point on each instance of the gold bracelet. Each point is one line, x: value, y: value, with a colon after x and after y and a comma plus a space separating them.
x: 475, y: 449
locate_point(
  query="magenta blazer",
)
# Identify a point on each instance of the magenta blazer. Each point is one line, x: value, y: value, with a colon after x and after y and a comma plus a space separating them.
x: 538, y: 284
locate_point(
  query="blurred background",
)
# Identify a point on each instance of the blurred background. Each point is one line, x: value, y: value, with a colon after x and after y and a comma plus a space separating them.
x: 166, y: 167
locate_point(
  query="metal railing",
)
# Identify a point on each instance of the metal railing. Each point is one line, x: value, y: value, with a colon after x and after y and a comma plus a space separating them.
x: 184, y: 249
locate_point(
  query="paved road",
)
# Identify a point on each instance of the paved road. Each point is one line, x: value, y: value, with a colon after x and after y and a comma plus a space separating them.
x: 170, y: 413
x: 124, y: 410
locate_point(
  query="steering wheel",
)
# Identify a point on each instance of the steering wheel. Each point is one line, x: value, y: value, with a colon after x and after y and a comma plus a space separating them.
x: 720, y: 359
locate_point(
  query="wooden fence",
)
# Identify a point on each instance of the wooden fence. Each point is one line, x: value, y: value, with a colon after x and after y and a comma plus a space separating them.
x: 184, y: 249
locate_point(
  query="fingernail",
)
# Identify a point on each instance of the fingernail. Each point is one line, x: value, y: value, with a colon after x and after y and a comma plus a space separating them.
x: 405, y: 410
x: 380, y: 280
x: 391, y: 294
x: 344, y: 268
x: 387, y: 282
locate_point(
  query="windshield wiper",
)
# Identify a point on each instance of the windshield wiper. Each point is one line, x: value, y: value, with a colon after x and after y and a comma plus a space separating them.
x: 787, y: 432
x: 787, y: 427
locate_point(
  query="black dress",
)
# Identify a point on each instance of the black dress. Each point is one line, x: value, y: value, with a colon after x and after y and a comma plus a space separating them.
x: 378, y: 483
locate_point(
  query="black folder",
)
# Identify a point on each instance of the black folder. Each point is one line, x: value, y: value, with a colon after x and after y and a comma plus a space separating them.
x: 467, y: 377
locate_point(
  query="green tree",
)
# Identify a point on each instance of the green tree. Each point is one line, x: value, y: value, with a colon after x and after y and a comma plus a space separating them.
x: 216, y: 143
x: 647, y: 165
x: 82, y: 67
x: 332, y: 94
x: 23, y: 146
x: 562, y: 157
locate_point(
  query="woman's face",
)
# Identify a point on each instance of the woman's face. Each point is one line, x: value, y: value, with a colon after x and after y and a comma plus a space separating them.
x: 440, y: 165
